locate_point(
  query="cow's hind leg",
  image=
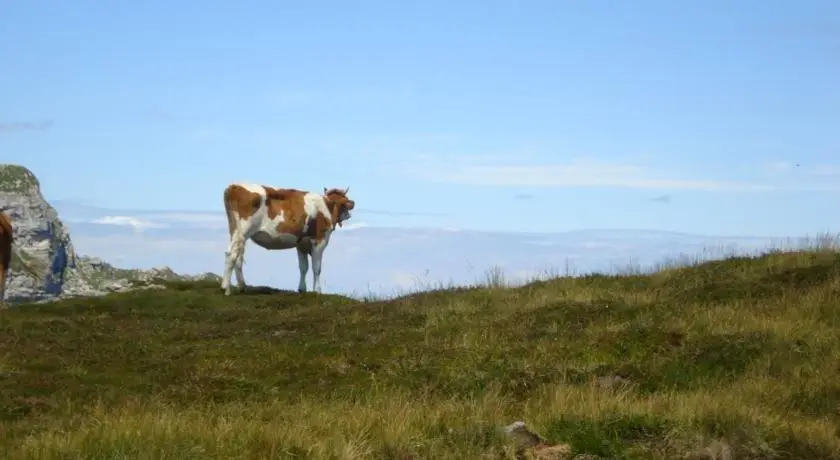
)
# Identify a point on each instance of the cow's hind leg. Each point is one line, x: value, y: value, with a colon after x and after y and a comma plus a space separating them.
x: 303, y: 266
x: 229, y: 261
x: 233, y: 260
x: 237, y: 268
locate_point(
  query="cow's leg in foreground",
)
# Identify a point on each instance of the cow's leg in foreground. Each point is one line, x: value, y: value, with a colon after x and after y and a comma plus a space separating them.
x: 234, y: 258
x: 237, y: 268
x: 235, y: 255
x: 316, y: 250
x: 303, y: 265
x: 317, y: 256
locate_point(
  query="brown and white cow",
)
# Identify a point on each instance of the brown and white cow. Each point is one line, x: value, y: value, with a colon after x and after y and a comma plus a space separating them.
x: 282, y: 218
x: 5, y: 252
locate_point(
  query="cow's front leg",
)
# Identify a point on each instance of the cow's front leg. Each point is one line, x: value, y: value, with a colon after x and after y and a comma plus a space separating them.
x: 303, y: 265
x: 317, y: 256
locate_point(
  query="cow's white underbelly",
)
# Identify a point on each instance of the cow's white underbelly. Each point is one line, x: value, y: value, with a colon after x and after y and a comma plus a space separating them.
x: 266, y: 234
x: 275, y: 240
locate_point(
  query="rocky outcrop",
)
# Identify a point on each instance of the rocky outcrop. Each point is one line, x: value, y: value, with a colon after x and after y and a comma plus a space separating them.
x: 44, y: 264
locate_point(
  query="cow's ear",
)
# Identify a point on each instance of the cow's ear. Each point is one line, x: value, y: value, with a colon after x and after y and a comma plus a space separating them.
x: 325, y: 190
x: 350, y: 204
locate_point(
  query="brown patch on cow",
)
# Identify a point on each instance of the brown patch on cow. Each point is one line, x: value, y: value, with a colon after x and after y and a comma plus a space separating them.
x: 289, y: 201
x: 6, y: 238
x: 241, y: 201
x: 283, y: 193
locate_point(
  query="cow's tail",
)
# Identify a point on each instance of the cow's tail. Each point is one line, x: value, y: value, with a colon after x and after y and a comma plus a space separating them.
x: 230, y: 206
x: 237, y: 241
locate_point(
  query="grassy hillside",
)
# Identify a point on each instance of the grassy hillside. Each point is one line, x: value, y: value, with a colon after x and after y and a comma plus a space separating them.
x: 742, y: 351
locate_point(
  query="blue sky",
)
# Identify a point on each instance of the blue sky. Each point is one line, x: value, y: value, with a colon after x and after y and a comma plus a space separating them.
x: 512, y: 116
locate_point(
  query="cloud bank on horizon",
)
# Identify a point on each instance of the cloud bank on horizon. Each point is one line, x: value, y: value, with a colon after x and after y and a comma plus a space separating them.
x: 363, y: 259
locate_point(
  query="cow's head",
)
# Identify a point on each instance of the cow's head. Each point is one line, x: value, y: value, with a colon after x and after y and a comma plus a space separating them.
x: 340, y: 205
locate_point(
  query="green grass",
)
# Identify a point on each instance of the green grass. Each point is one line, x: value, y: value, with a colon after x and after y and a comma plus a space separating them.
x: 745, y: 349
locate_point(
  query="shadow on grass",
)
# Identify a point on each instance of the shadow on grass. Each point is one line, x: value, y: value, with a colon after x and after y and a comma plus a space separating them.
x: 682, y: 362
x: 607, y: 438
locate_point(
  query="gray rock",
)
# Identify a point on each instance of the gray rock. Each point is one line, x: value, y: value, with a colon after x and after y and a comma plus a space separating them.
x: 717, y: 450
x: 45, y: 266
x: 532, y: 445
x: 521, y: 435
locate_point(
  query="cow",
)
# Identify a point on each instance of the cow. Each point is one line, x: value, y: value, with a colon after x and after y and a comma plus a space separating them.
x: 5, y: 252
x: 278, y: 219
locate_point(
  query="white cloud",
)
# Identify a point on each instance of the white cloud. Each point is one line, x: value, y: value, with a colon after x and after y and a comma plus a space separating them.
x: 144, y: 220
x: 139, y: 225
x: 194, y: 219
x: 579, y: 173
x: 354, y: 225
